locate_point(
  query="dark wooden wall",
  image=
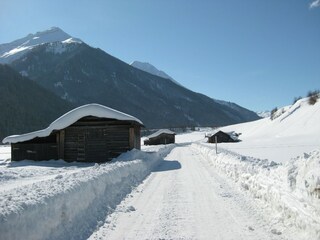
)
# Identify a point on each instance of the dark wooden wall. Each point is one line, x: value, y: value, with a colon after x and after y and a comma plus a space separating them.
x: 221, y: 137
x: 88, y: 140
x: 36, y: 149
x: 95, y: 143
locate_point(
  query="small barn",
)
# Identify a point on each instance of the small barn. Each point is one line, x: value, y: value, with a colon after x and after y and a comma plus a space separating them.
x: 90, y: 133
x: 163, y: 136
x: 223, y: 137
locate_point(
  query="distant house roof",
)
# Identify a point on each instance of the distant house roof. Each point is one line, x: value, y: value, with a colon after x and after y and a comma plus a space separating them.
x: 233, y: 135
x: 161, y: 131
x: 95, y: 110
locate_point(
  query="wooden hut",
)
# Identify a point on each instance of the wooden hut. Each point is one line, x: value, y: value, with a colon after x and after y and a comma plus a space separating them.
x: 163, y: 136
x: 90, y: 133
x: 223, y: 137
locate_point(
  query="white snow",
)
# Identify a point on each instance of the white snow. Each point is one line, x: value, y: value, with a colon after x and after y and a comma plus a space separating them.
x: 16, y: 49
x: 72, y: 40
x: 290, y: 191
x: 184, y: 198
x: 5, y: 153
x: 58, y: 200
x: 95, y: 110
x: 58, y: 84
x: 178, y: 191
x: 295, y: 131
x: 61, y: 47
x: 24, y: 73
x: 264, y: 114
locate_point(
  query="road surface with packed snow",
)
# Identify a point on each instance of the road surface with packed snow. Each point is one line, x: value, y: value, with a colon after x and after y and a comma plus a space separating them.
x: 184, y: 198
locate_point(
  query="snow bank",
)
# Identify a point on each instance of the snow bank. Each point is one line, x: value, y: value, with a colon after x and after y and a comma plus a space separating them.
x: 291, y: 190
x: 5, y: 153
x: 69, y: 206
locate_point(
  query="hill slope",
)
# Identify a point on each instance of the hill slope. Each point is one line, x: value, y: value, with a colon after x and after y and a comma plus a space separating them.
x: 25, y: 106
x: 294, y: 131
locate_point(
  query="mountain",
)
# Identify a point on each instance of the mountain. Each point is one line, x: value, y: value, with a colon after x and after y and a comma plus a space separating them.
x: 149, y: 68
x: 25, y: 106
x: 81, y: 74
x: 16, y: 49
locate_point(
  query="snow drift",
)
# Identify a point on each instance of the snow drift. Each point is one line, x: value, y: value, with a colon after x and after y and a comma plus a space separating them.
x: 291, y: 190
x: 68, y: 205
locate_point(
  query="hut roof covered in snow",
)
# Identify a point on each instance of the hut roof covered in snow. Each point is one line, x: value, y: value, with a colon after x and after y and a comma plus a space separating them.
x: 95, y: 110
x: 159, y: 132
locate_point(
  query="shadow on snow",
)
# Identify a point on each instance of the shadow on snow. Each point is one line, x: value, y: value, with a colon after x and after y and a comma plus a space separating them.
x: 168, y: 166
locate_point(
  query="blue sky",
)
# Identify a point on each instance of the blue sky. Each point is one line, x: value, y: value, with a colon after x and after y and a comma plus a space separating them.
x: 258, y: 54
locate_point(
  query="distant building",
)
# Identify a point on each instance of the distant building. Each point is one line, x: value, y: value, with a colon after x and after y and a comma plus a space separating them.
x: 223, y: 137
x: 163, y: 136
x: 90, y: 133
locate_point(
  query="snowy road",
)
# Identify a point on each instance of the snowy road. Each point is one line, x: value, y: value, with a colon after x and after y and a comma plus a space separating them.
x: 249, y: 190
x: 184, y: 198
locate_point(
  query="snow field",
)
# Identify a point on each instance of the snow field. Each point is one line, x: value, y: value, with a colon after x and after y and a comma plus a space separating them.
x: 294, y: 130
x: 5, y: 153
x: 68, y: 205
x: 290, y: 190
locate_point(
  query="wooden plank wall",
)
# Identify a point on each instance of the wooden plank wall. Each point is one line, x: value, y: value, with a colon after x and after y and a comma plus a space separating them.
x: 89, y: 139
x: 161, y: 139
x: 95, y: 143
x: 33, y: 151
x: 221, y: 137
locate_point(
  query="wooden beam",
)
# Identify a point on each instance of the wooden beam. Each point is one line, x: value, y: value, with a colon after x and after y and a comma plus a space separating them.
x: 61, y: 144
x: 137, y: 137
x: 131, y: 138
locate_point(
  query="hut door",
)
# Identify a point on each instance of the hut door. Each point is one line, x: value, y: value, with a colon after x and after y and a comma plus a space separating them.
x: 96, y: 145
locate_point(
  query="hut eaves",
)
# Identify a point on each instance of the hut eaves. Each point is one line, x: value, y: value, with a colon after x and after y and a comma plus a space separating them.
x: 161, y: 131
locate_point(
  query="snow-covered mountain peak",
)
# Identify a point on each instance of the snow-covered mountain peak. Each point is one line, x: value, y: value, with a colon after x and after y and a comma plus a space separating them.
x: 54, y: 34
x: 16, y: 49
x: 149, y: 68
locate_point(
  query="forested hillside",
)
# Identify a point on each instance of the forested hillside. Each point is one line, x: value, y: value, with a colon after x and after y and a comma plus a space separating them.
x: 26, y: 106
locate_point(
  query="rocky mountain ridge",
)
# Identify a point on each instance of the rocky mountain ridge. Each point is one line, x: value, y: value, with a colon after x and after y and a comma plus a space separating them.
x: 81, y: 74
